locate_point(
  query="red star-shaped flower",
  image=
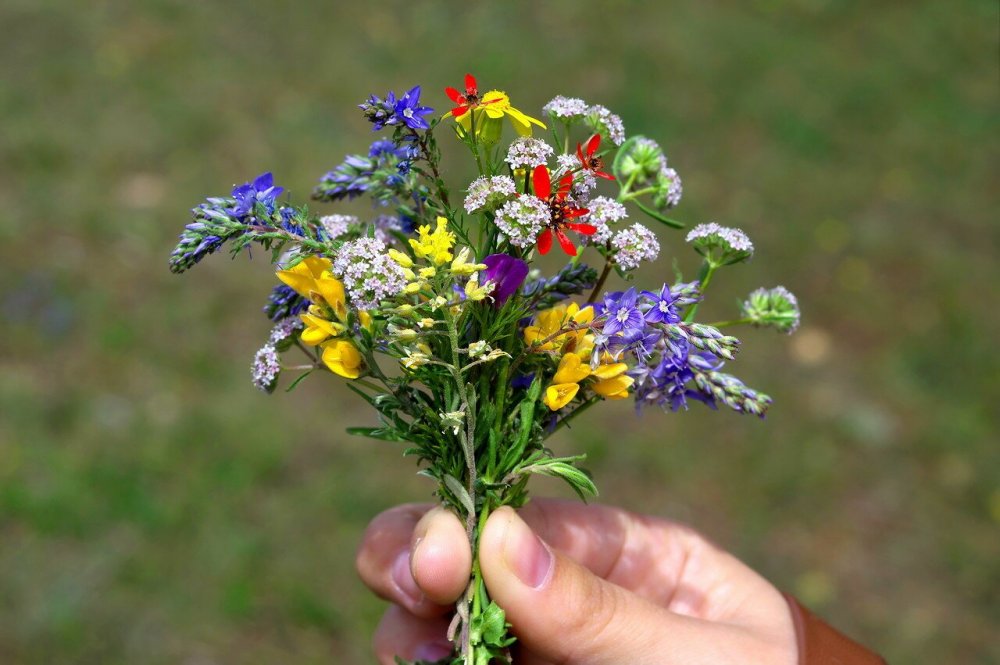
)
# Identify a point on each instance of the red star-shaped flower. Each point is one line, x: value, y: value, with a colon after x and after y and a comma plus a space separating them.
x: 587, y: 159
x: 562, y: 211
x: 469, y: 100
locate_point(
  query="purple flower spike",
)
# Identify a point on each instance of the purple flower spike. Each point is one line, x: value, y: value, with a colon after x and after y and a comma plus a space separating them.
x: 507, y: 273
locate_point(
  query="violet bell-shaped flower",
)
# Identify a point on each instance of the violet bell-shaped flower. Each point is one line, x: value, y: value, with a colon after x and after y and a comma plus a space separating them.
x: 507, y: 273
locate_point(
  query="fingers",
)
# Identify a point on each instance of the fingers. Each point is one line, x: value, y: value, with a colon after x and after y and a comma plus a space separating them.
x: 412, y: 539
x: 407, y: 636
x: 440, y: 556
x: 561, y: 611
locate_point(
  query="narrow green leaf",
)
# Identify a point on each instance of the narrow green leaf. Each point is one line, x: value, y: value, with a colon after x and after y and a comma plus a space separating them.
x: 294, y: 383
x: 456, y: 488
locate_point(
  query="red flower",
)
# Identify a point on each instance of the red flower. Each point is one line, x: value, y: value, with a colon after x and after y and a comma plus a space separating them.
x: 469, y: 100
x: 562, y: 211
x: 588, y: 161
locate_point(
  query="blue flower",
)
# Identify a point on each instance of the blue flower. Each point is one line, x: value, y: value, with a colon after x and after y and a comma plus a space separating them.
x: 261, y: 190
x: 379, y: 112
x: 623, y: 315
x: 663, y: 306
x: 408, y: 110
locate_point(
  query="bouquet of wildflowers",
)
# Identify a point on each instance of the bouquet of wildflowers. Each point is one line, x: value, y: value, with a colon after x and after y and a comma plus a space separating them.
x: 433, y: 314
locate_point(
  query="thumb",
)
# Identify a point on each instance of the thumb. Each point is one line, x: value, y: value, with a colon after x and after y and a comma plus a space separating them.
x: 561, y: 611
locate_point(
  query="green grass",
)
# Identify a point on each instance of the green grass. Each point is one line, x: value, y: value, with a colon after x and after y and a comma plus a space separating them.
x: 154, y: 508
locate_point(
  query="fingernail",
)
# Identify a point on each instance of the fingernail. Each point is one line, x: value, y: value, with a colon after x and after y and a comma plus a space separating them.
x: 432, y: 651
x: 525, y: 554
x: 404, y: 579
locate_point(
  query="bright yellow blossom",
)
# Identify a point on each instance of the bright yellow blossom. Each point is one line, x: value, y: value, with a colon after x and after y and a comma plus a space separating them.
x: 559, y: 395
x: 545, y: 330
x: 400, y: 258
x: 343, y: 358
x: 311, y: 278
x: 461, y: 265
x: 489, y: 114
x: 612, y: 381
x: 318, y: 329
x: 434, y: 246
x: 571, y: 369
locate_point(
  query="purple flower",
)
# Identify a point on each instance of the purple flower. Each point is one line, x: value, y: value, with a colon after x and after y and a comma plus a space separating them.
x: 623, y: 315
x: 663, y: 307
x: 380, y: 112
x: 408, y: 110
x: 261, y: 190
x: 507, y: 274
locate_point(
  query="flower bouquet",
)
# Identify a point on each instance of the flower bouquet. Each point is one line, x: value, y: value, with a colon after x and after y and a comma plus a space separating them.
x: 433, y: 313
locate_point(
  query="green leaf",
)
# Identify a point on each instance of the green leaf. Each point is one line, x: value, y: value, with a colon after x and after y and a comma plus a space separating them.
x: 379, y: 433
x: 460, y: 493
x: 493, y: 625
x: 563, y: 468
x: 658, y: 217
x: 296, y: 382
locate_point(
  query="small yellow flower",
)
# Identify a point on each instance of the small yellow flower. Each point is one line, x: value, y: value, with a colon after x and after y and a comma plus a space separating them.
x: 489, y: 115
x: 475, y: 292
x: 343, y: 358
x: 551, y: 321
x: 311, y: 278
x: 365, y: 319
x: 400, y: 258
x: 427, y: 272
x: 559, y: 395
x: 461, y: 265
x: 571, y: 370
x: 614, y: 388
x: 434, y: 246
x: 318, y: 329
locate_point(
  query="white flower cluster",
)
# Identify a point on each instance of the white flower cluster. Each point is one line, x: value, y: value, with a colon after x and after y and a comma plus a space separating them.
x: 369, y: 274
x: 527, y: 152
x: 606, y: 123
x: 489, y: 193
x: 337, y: 225
x: 604, y: 211
x: 730, y: 240
x: 522, y: 219
x: 566, y: 107
x: 265, y: 368
x: 634, y: 245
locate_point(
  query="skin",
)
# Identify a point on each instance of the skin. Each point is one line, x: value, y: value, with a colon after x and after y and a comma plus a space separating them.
x: 581, y: 585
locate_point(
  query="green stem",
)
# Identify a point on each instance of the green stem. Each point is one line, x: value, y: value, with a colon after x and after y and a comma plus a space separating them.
x: 733, y: 322
x: 580, y: 409
x: 623, y: 193
x: 704, y: 279
x: 634, y: 195
x: 600, y: 281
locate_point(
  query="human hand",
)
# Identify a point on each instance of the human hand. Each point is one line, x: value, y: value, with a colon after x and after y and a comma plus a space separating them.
x: 580, y: 584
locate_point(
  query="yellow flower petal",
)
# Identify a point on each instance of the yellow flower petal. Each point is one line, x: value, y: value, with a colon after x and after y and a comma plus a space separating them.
x: 342, y: 358
x: 571, y: 370
x: 559, y: 395
x: 615, y: 388
x: 318, y: 329
x: 610, y: 371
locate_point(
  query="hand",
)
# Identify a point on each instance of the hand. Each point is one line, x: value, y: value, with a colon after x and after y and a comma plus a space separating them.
x: 581, y: 584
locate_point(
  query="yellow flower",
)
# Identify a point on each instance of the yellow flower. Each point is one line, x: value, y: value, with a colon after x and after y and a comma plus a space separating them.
x: 461, y: 265
x: 400, y: 258
x: 612, y: 383
x: 342, y: 358
x: 489, y: 115
x: 365, y: 319
x: 434, y: 246
x: 571, y: 369
x: 318, y: 329
x: 311, y: 278
x: 551, y: 321
x: 559, y: 395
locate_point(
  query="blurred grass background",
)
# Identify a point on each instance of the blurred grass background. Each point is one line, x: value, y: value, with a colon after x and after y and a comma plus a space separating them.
x: 155, y: 508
